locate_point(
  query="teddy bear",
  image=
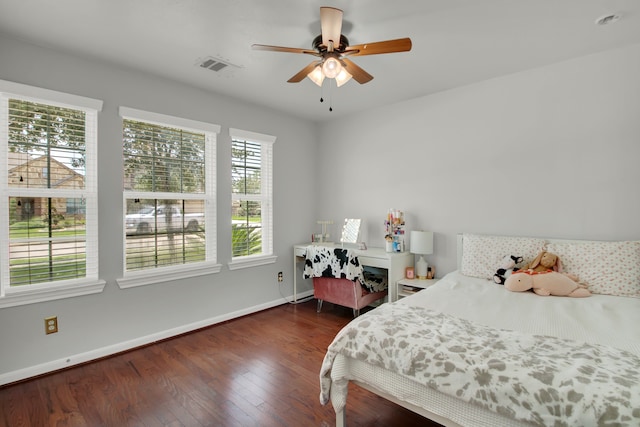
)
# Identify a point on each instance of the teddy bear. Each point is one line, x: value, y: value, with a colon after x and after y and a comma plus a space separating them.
x: 507, y: 267
x: 547, y: 283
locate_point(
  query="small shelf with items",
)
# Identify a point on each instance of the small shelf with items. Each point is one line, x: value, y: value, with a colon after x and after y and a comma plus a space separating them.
x: 407, y: 287
x: 394, y: 231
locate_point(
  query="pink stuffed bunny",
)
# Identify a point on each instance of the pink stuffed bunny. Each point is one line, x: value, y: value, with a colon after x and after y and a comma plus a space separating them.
x: 549, y: 283
x: 545, y: 261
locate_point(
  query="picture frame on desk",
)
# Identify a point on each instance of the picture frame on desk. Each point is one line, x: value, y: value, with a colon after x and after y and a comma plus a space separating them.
x: 410, y: 273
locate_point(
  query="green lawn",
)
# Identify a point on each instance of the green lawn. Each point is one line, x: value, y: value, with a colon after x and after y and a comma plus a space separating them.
x: 23, y: 230
x: 37, y: 270
x: 138, y: 255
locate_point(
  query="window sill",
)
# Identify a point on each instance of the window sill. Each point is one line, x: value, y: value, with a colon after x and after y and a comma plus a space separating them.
x: 252, y: 261
x: 49, y: 292
x: 166, y: 274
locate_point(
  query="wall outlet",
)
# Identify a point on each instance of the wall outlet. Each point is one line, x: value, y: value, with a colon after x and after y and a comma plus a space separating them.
x: 51, y: 325
x: 280, y: 276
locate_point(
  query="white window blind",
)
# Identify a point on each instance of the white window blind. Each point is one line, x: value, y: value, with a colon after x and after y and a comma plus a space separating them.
x: 48, y: 225
x: 169, y: 191
x: 252, y: 194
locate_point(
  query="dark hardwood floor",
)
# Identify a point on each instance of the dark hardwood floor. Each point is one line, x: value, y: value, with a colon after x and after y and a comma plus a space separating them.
x: 258, y: 370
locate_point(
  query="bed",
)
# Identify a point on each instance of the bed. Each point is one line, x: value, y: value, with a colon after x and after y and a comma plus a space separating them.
x: 467, y: 352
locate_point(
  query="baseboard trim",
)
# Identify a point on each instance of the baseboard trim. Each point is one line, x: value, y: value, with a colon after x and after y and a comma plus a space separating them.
x: 77, y: 359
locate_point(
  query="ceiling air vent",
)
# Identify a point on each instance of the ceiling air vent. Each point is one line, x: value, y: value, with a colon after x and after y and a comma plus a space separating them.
x: 607, y: 19
x: 215, y: 64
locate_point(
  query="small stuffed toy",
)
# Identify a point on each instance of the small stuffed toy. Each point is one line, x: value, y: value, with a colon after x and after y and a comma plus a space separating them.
x: 545, y: 261
x: 507, y: 267
x: 548, y: 283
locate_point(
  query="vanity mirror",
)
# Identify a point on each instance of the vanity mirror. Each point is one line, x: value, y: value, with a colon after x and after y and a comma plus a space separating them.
x: 350, y: 231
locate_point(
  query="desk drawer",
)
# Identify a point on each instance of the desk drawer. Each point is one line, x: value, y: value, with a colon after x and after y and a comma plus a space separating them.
x: 373, y: 262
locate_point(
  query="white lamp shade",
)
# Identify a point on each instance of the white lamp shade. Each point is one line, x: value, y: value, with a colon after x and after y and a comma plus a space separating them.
x: 316, y: 75
x: 343, y: 77
x: 421, y: 242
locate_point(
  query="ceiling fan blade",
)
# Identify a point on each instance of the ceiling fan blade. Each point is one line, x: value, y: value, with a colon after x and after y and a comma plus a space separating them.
x: 283, y: 49
x: 331, y: 25
x: 360, y: 75
x: 303, y: 73
x: 388, y: 46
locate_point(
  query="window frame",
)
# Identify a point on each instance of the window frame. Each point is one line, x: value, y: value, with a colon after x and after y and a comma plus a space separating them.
x: 266, y: 197
x: 47, y: 291
x: 154, y: 275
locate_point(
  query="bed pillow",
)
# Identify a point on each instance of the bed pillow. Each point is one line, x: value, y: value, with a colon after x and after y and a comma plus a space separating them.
x: 481, y: 255
x: 610, y: 268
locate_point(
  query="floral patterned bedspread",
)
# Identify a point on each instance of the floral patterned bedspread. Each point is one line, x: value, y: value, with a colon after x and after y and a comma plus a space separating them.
x: 540, y: 379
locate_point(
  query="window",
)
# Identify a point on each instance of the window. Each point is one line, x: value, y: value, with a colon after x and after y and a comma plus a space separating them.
x: 169, y: 197
x: 48, y: 180
x: 251, y: 198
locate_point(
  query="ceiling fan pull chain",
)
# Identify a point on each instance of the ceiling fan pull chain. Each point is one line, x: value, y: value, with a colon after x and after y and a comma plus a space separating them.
x: 330, y: 95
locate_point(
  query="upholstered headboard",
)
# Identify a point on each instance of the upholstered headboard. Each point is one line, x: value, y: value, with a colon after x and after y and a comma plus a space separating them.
x: 459, y: 250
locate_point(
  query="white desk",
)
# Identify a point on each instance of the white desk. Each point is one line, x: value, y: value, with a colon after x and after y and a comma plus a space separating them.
x: 394, y: 262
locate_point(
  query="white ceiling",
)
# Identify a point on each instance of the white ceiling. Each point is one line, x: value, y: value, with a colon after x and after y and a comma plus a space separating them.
x: 455, y: 42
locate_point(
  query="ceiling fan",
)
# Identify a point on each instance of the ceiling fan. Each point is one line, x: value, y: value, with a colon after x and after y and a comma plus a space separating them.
x: 332, y: 48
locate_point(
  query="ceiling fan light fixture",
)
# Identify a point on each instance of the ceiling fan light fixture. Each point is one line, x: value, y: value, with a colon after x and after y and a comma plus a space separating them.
x: 343, y: 77
x: 333, y: 51
x: 331, y: 67
x: 316, y: 75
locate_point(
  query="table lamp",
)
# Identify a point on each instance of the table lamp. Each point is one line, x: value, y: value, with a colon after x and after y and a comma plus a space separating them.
x: 421, y: 243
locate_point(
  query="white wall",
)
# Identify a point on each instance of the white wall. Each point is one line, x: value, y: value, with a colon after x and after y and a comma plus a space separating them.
x: 91, y: 325
x: 551, y: 152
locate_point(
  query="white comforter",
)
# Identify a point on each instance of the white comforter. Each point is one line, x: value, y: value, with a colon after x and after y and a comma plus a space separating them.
x: 598, y: 319
x: 519, y: 370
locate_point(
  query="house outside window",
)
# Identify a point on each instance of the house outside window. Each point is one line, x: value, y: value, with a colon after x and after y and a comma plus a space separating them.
x: 169, y: 197
x: 251, y: 198
x: 48, y: 180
